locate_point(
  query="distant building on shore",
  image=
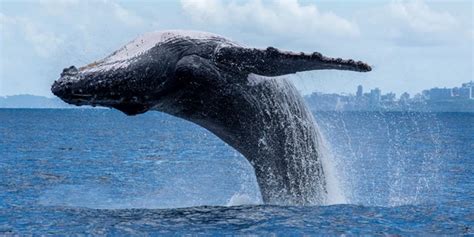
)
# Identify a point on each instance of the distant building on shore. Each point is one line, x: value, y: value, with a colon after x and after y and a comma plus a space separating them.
x: 465, y: 92
x: 375, y: 95
x: 440, y: 94
x: 457, y: 99
x: 360, y: 91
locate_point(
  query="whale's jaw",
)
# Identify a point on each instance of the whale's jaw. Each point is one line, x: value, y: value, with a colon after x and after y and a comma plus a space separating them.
x: 78, y: 87
x: 77, y: 97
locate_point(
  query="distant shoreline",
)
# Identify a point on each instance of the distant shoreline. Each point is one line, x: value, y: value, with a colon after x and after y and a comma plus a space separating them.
x: 315, y: 102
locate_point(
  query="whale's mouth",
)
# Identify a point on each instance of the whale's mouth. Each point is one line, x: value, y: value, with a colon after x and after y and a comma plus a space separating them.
x: 126, y: 106
x: 82, y: 99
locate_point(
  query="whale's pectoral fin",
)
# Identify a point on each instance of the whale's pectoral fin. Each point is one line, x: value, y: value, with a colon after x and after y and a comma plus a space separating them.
x: 273, y: 62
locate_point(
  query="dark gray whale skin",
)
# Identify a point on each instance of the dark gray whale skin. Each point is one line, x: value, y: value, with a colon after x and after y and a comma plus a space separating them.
x: 228, y: 89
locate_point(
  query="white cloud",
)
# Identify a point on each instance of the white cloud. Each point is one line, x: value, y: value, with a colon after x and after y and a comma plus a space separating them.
x: 4, y: 22
x: 44, y: 43
x: 57, y: 7
x: 413, y: 23
x: 421, y: 18
x: 125, y: 16
x: 109, y: 9
x: 84, y: 20
x: 281, y: 17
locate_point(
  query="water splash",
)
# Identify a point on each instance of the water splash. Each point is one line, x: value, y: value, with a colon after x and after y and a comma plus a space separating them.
x: 335, y: 194
x: 239, y: 199
x: 382, y: 158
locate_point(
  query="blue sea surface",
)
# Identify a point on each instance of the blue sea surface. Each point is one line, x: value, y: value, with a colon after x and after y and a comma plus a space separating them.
x: 99, y: 172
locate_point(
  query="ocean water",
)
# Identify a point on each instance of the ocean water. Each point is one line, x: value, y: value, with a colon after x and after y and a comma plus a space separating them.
x: 100, y: 172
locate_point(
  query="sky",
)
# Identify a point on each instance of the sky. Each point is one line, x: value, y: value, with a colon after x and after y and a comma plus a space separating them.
x: 411, y: 45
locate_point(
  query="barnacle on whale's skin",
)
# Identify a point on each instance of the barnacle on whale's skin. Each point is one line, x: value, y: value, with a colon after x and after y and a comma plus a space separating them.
x: 226, y: 88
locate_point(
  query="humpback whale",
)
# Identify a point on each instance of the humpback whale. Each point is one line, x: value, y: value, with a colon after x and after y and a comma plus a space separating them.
x: 233, y: 91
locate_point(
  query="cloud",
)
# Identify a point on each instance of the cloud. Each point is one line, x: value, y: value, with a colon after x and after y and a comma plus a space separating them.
x: 412, y: 23
x: 283, y: 17
x: 48, y: 35
x: 5, y: 21
x: 125, y: 16
x: 65, y: 24
x: 44, y: 43
x: 421, y: 18
x: 107, y: 9
x: 57, y: 7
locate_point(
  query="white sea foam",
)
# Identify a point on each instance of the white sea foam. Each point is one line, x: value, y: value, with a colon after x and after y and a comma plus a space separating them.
x: 240, y: 199
x: 335, y: 193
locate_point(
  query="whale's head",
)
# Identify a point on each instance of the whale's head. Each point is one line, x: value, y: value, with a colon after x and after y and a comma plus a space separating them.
x: 115, y: 89
x: 132, y: 79
x: 131, y: 87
